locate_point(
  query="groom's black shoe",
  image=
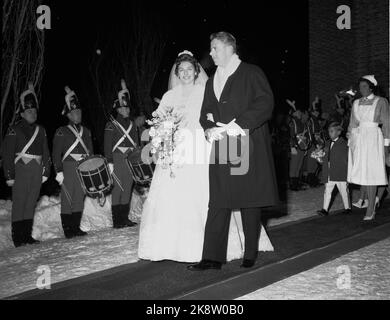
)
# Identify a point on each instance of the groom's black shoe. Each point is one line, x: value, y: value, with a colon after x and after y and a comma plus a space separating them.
x: 246, y: 263
x: 205, y: 265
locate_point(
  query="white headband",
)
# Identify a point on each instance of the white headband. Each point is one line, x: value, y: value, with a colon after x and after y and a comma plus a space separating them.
x: 185, y: 52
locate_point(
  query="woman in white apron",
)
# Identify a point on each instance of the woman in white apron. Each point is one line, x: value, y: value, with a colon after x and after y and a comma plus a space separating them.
x: 369, y: 139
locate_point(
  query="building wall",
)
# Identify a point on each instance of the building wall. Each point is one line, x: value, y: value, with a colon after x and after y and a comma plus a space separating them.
x: 339, y: 57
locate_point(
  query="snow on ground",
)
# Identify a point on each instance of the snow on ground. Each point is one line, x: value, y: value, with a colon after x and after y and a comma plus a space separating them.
x: 47, y: 220
x: 103, y: 248
x: 304, y: 204
x: 369, y: 269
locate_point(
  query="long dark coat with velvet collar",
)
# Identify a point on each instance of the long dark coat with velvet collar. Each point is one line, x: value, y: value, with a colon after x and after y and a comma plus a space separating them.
x: 246, y: 97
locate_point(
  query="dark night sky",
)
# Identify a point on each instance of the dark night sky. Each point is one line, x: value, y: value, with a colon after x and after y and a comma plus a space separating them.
x: 269, y: 33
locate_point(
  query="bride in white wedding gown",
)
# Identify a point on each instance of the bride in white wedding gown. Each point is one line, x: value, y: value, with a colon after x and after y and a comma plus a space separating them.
x: 175, y: 212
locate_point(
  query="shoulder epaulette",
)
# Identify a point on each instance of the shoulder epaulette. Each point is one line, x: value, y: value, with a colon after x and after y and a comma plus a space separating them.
x: 109, y: 126
x: 59, y: 132
x: 11, y: 131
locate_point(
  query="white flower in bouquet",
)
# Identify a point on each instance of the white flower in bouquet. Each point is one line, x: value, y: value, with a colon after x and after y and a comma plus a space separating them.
x: 318, y: 154
x: 152, y: 132
x: 164, y: 132
x: 169, y: 124
x: 156, y: 141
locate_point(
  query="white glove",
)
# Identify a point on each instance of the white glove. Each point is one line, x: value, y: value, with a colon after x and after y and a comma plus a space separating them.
x: 60, y: 178
x: 294, y: 151
x: 232, y: 128
x: 111, y: 168
x: 214, y: 134
x: 44, y: 179
x: 10, y: 183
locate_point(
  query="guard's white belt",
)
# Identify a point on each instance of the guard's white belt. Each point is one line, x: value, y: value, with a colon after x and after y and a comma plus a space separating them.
x: 30, y: 156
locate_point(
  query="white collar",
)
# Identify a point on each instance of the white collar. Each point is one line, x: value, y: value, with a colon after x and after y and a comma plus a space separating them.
x: 370, y: 97
x: 335, y: 139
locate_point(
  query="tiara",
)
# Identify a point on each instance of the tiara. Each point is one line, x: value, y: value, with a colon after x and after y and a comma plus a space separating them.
x: 185, y: 52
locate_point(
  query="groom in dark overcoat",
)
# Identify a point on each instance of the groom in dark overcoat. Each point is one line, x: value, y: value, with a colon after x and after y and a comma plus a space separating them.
x: 237, y: 106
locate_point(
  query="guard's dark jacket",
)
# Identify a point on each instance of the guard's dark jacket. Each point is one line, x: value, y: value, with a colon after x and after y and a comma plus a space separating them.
x: 15, y: 140
x: 335, y: 161
x: 248, y: 98
x: 63, y: 139
x: 112, y: 134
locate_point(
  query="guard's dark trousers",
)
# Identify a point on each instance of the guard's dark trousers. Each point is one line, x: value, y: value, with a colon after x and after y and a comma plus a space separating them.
x: 217, y: 232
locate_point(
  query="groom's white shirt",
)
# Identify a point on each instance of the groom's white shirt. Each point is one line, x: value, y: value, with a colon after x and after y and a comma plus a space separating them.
x: 222, y: 74
x: 220, y: 79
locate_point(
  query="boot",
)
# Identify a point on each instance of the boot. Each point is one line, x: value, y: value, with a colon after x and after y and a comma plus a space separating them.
x: 76, y: 219
x: 125, y: 208
x: 28, y: 226
x: 117, y: 217
x: 66, y: 220
x: 17, y: 233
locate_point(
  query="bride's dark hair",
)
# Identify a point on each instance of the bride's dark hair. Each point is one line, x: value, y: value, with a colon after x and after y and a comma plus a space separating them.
x: 187, y: 58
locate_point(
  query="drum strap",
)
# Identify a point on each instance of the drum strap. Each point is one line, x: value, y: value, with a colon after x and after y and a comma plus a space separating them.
x: 295, y: 126
x: 310, y: 131
x: 28, y: 145
x: 126, y: 134
x: 77, y: 141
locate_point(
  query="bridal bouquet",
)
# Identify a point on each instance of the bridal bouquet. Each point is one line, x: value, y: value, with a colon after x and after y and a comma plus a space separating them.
x: 165, y: 136
x: 318, y: 154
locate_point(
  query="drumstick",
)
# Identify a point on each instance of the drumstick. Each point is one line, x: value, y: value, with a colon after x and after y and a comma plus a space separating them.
x: 117, y: 181
x: 67, y: 194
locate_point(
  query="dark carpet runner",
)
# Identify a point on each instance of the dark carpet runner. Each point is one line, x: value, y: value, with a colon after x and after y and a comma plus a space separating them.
x: 298, y: 247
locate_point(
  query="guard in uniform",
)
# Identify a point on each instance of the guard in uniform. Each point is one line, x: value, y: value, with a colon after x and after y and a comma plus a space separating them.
x: 317, y: 141
x: 120, y: 139
x: 297, y: 132
x: 26, y: 166
x: 281, y: 151
x: 71, y: 143
x: 342, y: 112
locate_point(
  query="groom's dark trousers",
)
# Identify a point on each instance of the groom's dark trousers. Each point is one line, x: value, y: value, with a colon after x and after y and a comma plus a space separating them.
x: 217, y: 233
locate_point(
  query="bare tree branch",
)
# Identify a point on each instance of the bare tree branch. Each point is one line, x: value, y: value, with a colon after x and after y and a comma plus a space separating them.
x: 22, y: 55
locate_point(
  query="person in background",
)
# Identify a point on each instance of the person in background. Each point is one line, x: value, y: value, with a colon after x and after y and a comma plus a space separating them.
x: 297, y: 131
x: 325, y: 122
x: 342, y: 112
x: 369, y: 140
x: 363, y: 201
x: 317, y: 141
x: 281, y: 150
x: 26, y: 166
x: 335, y: 169
x: 120, y: 139
x: 382, y: 189
x: 71, y: 144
